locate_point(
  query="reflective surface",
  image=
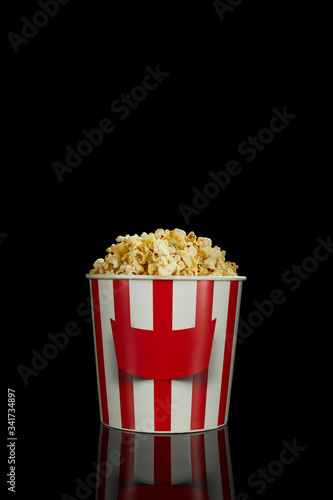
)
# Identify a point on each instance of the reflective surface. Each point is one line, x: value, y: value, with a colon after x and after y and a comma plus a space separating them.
x: 144, y: 466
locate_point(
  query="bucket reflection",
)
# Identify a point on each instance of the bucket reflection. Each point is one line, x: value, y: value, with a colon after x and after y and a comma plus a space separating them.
x: 138, y: 466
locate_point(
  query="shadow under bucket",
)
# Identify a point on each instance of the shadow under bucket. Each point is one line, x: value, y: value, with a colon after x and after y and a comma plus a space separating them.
x: 165, y: 350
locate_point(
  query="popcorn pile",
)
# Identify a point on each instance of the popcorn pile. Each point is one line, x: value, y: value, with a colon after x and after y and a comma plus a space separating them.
x: 165, y: 253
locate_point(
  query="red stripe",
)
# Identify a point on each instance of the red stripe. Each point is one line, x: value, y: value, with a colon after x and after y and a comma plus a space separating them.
x: 103, y: 462
x: 127, y: 451
x: 204, y: 309
x: 225, y: 478
x: 162, y: 405
x: 205, y: 293
x: 162, y: 460
x: 198, y: 461
x: 199, y: 395
x: 99, y: 351
x: 126, y: 396
x: 228, y: 350
x: 162, y: 310
x: 121, y: 299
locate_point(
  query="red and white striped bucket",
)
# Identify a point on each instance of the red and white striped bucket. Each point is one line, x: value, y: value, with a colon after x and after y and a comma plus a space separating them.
x: 137, y: 466
x: 165, y: 350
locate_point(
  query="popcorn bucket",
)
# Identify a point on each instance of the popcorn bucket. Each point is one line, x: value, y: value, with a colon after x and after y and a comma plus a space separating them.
x: 165, y: 350
x: 137, y: 466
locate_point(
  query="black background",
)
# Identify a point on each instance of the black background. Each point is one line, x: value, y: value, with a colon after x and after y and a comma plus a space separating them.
x: 225, y: 78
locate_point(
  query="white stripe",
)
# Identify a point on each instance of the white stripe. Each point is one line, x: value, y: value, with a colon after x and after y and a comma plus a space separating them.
x: 214, y: 480
x: 110, y: 360
x: 181, y: 466
x: 95, y: 349
x: 181, y: 403
x: 106, y: 301
x: 232, y: 361
x: 220, y: 310
x: 141, y: 303
x: 143, y: 392
x: 184, y: 299
x: 144, y: 459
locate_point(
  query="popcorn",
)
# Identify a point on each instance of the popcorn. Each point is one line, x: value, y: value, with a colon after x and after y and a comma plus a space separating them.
x: 165, y: 253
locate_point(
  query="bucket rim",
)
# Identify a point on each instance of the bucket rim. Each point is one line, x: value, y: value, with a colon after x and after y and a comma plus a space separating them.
x: 165, y: 278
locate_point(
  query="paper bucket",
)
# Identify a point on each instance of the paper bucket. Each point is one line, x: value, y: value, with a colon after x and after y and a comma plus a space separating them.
x: 139, y: 466
x: 165, y: 350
